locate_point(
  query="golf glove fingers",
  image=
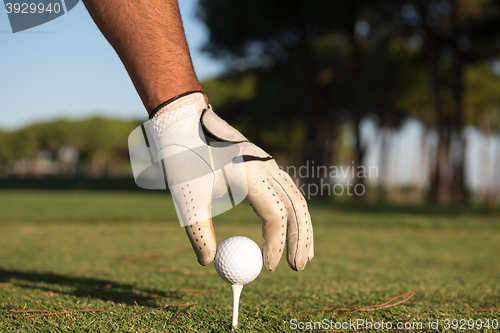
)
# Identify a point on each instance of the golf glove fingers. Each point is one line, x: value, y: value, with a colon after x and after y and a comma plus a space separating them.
x: 203, y: 157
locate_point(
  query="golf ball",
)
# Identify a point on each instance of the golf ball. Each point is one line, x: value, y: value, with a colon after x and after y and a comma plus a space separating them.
x: 238, y: 260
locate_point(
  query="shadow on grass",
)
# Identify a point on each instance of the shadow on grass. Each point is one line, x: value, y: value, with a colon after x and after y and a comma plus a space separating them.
x: 429, y: 210
x: 105, y: 290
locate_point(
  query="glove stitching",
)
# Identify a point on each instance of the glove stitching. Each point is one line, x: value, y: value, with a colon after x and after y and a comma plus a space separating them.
x: 163, y: 121
x: 296, y: 221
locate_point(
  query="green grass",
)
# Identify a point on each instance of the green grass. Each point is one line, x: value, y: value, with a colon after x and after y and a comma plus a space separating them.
x: 126, y: 253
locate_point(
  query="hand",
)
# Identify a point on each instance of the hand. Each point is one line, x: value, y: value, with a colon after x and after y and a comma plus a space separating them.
x: 189, y: 137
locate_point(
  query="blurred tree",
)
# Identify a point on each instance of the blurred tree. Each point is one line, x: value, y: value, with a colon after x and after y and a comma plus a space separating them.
x: 482, y: 103
x: 101, y: 143
x: 311, y: 60
x: 6, y: 152
x: 455, y: 33
x: 275, y: 124
x: 390, y: 76
x: 310, y: 66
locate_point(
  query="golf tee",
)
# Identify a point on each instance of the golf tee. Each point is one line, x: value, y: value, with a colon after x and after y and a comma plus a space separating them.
x: 236, y: 288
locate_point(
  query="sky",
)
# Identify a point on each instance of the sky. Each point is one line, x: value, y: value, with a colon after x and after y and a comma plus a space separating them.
x: 66, y: 69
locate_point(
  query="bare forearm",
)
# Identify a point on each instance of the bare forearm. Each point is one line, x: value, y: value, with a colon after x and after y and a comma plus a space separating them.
x: 149, y: 39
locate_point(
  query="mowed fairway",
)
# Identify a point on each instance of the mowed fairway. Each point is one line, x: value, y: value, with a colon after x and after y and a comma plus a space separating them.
x: 124, y: 257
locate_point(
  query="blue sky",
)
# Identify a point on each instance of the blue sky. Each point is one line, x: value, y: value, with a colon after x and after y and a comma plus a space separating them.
x: 66, y: 69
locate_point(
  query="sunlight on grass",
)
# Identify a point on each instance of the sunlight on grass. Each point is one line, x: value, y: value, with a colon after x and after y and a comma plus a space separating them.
x: 133, y: 266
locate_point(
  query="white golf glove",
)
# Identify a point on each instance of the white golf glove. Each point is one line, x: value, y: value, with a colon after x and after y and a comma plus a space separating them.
x: 205, y: 158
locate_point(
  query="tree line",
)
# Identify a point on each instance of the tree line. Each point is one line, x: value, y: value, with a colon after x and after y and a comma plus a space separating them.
x: 93, y: 147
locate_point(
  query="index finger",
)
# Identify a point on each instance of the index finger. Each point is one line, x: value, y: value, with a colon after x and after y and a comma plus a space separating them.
x: 299, y: 234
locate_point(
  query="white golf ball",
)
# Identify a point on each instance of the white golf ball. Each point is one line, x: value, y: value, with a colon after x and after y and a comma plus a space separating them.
x: 238, y: 260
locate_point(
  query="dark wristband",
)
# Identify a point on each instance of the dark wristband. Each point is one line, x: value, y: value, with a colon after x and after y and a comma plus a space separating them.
x: 152, y: 114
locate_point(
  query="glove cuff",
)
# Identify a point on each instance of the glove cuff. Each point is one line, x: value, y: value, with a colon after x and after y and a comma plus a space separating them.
x: 192, y: 104
x: 167, y: 106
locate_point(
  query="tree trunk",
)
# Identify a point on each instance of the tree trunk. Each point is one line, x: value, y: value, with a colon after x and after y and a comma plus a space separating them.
x: 383, y: 165
x: 496, y: 173
x: 358, y: 108
x: 443, y: 168
x: 459, y: 190
x: 486, y: 191
x: 439, y: 191
x: 320, y: 127
x: 460, y: 193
